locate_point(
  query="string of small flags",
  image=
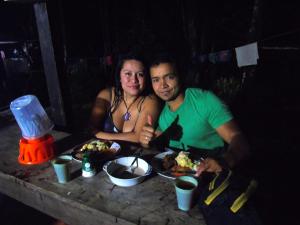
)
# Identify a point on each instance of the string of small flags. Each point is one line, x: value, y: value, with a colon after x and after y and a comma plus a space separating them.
x: 246, y: 55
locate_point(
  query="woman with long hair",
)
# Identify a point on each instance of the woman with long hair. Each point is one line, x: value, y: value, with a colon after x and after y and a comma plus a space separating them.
x: 120, y: 112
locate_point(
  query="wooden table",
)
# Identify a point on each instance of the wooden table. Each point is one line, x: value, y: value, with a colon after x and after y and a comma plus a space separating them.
x: 86, y: 201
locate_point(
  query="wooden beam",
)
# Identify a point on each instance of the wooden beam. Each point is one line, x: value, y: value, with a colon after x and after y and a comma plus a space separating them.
x: 49, y: 63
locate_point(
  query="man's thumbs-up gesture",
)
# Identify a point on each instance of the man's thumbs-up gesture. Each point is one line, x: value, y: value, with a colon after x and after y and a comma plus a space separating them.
x: 150, y: 120
x: 148, y: 132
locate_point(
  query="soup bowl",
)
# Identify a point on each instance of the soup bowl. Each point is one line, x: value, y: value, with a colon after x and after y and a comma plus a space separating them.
x: 122, y: 173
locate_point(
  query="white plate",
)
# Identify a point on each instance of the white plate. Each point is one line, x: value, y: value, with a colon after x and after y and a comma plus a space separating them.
x: 100, y: 156
x: 157, y: 164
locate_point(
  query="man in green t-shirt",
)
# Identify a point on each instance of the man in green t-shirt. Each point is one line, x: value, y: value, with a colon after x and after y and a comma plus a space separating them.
x: 192, y: 118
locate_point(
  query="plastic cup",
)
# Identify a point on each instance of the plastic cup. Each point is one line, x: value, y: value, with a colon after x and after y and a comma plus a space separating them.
x: 31, y: 117
x: 185, y: 187
x: 62, y: 168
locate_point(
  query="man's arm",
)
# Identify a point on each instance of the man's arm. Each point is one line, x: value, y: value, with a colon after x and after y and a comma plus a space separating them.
x: 238, y: 150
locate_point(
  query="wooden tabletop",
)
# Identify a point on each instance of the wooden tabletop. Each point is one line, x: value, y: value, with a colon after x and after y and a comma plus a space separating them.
x: 83, y: 200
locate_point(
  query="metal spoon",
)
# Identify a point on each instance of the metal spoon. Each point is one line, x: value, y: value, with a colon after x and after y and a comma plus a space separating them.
x: 137, y: 155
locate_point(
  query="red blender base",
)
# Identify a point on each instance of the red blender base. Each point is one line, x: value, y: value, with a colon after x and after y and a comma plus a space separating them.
x: 36, y: 151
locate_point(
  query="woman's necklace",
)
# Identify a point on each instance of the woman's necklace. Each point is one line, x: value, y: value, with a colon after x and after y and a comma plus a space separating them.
x: 127, y: 114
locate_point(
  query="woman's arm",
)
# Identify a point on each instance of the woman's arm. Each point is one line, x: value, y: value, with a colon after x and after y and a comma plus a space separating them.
x: 101, y: 105
x: 151, y: 106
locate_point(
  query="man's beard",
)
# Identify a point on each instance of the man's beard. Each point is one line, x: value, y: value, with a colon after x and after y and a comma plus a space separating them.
x: 176, y: 94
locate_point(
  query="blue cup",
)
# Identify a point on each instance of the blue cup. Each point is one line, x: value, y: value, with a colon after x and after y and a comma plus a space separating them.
x: 31, y: 117
x: 185, y: 187
x: 62, y: 168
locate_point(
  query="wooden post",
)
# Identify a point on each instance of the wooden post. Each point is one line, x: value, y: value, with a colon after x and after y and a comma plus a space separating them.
x: 49, y: 63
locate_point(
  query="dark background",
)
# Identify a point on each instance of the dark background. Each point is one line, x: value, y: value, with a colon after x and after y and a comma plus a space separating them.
x: 263, y: 98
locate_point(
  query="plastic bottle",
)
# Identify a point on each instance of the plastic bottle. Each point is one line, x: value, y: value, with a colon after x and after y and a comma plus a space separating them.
x: 88, y: 169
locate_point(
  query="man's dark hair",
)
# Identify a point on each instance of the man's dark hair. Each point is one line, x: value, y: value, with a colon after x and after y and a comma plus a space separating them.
x: 162, y: 58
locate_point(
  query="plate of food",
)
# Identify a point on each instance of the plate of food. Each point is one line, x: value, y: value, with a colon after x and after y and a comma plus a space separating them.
x: 99, y: 149
x: 171, y: 164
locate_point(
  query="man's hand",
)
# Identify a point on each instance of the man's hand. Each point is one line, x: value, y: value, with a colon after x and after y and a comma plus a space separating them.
x: 147, y: 133
x: 208, y: 165
x: 212, y: 165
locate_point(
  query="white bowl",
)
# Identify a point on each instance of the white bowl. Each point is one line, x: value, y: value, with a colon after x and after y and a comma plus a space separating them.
x: 115, y: 171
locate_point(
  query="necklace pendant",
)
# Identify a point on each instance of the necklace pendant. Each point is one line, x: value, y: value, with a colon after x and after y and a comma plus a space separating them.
x: 126, y: 116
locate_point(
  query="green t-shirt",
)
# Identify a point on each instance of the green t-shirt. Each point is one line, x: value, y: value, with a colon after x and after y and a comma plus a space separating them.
x: 198, y: 116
